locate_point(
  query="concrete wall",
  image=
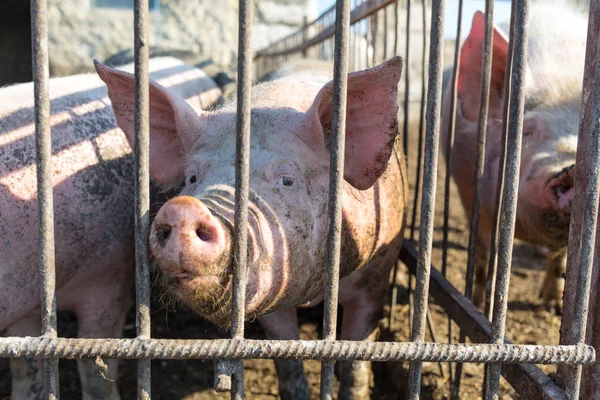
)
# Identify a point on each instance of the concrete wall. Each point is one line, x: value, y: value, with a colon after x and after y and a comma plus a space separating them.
x: 80, y: 31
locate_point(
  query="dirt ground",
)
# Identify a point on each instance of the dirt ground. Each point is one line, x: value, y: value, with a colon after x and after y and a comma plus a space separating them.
x: 528, y: 323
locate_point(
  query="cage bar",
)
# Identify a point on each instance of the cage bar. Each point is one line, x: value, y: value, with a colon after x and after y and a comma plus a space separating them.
x: 142, y: 188
x: 336, y: 181
x: 486, y: 75
x: 43, y: 151
x: 509, y: 196
x: 429, y: 188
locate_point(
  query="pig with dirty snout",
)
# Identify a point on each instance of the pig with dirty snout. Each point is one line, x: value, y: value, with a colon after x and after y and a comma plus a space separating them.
x: 191, y: 236
x: 553, y: 84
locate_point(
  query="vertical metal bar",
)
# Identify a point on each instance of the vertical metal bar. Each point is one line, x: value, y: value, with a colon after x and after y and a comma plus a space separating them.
x: 396, y: 26
x: 509, y: 197
x: 413, y: 222
x: 336, y: 176
x: 43, y: 149
x: 385, y: 33
x: 493, y: 259
x: 429, y: 187
x: 242, y: 179
x: 486, y: 74
x: 304, y: 34
x: 406, y: 83
x: 142, y: 188
x: 589, y: 139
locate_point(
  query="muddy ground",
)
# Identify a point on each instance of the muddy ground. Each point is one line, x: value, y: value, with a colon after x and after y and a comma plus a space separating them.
x: 528, y: 323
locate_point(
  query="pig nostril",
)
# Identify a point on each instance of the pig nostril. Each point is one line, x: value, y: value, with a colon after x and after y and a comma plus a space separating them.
x: 162, y: 234
x: 203, y: 235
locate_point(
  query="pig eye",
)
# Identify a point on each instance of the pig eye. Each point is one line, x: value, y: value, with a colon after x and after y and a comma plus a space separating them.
x: 285, y: 181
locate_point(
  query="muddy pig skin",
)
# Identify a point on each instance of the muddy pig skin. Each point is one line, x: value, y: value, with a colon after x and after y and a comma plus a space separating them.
x: 92, y: 168
x: 289, y: 180
x: 556, y: 48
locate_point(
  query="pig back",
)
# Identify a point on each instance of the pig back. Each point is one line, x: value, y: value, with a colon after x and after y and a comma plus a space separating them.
x: 92, y: 177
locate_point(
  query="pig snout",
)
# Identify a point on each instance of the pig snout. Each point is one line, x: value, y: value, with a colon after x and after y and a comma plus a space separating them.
x: 559, y: 191
x: 188, y: 241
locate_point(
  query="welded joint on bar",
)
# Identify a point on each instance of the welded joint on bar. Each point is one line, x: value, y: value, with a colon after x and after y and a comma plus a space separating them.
x: 224, y: 370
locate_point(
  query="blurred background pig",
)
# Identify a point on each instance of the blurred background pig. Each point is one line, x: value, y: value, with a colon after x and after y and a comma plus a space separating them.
x: 555, y: 59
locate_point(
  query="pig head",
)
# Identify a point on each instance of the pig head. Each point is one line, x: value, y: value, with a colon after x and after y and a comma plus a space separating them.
x: 552, y: 99
x: 191, y: 236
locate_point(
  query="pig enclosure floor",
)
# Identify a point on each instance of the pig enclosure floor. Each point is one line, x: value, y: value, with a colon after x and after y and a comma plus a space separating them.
x: 527, y: 323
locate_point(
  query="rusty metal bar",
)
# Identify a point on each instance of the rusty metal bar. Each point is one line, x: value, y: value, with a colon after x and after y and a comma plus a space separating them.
x: 589, y: 142
x: 565, y: 375
x: 336, y: 181
x: 429, y: 187
x: 43, y: 152
x: 413, y: 222
x: 406, y: 83
x: 242, y: 181
x: 327, y: 350
x: 486, y: 75
x: 509, y: 197
x: 528, y: 380
x: 493, y: 254
x: 396, y: 26
x: 450, y: 142
x: 493, y: 259
x: 359, y: 13
x: 142, y: 188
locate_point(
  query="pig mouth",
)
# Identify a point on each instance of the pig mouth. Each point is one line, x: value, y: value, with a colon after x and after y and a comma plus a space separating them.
x: 559, y: 191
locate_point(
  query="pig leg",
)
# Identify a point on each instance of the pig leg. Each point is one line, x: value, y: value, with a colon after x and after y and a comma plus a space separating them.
x: 101, y: 315
x: 482, y: 253
x: 553, y: 286
x: 283, y: 325
x: 359, y: 322
x: 362, y: 295
x: 27, y: 373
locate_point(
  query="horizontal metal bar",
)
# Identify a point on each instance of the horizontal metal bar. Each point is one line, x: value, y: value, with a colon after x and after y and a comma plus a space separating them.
x: 172, y: 349
x: 528, y: 380
x: 359, y: 13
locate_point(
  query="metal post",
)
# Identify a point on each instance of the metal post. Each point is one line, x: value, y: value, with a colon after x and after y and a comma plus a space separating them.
x: 43, y: 143
x: 336, y: 177
x: 406, y: 83
x: 486, y: 75
x: 509, y: 197
x: 242, y: 179
x: 142, y: 188
x: 581, y: 249
x: 429, y: 188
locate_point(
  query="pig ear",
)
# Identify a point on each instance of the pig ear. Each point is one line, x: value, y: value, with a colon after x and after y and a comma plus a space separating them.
x: 172, y: 122
x: 469, y: 76
x: 371, y: 121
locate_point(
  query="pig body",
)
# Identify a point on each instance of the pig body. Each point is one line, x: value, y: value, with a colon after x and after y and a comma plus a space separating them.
x: 289, y: 180
x: 92, y: 172
x: 556, y: 49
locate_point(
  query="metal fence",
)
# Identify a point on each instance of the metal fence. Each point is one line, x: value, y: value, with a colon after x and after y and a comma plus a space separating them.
x: 331, y: 35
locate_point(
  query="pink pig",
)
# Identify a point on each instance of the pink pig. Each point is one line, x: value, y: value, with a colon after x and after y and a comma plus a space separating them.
x: 557, y: 36
x: 93, y: 212
x: 289, y: 181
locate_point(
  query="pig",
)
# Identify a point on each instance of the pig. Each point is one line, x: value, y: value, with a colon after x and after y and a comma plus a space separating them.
x: 553, y: 82
x: 191, y: 235
x: 92, y: 177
